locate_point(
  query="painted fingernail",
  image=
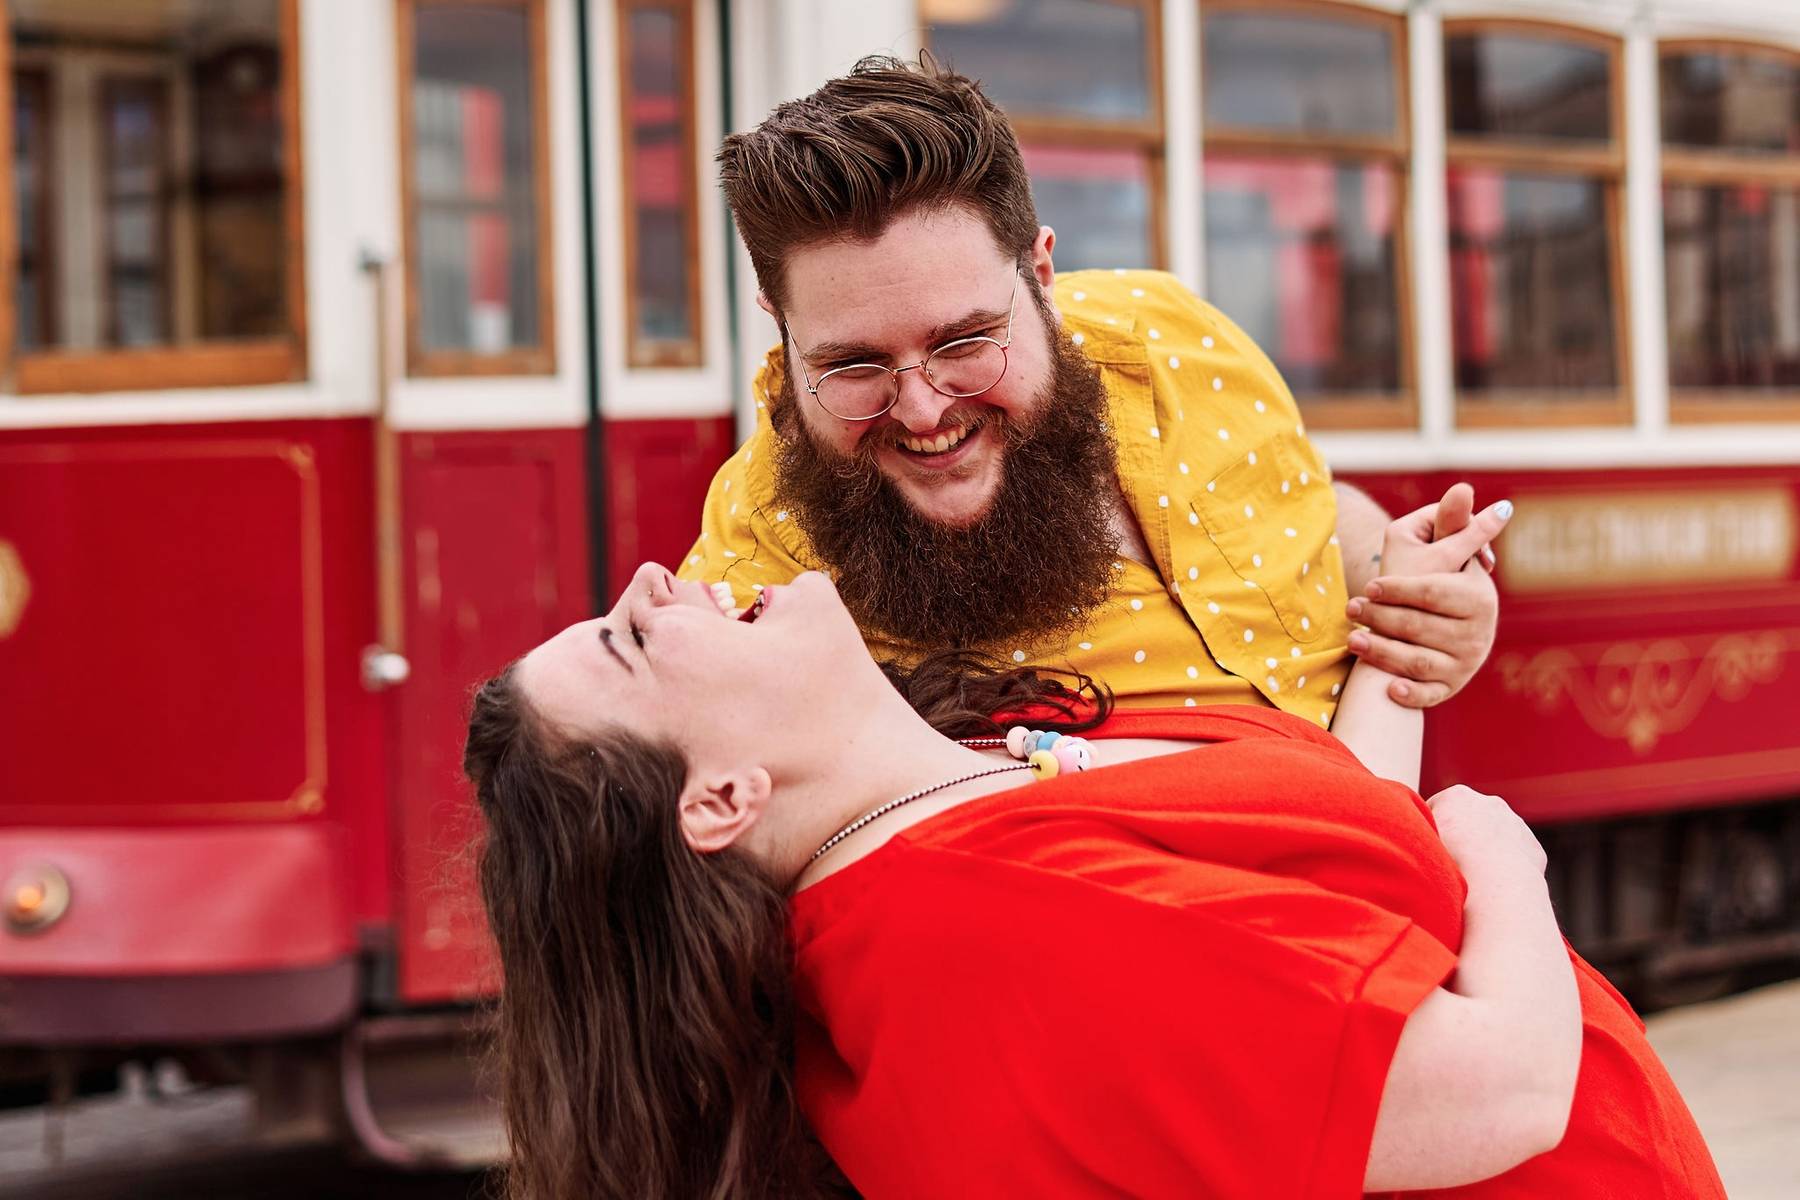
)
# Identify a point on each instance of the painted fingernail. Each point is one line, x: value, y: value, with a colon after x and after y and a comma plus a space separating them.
x: 1504, y: 510
x: 1359, y: 642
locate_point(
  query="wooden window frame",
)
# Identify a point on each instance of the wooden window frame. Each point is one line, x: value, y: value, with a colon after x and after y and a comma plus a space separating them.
x: 1713, y: 168
x: 246, y: 362
x: 660, y: 353
x: 520, y: 360
x: 1540, y: 408
x: 1147, y: 137
x: 1343, y: 410
x: 49, y: 294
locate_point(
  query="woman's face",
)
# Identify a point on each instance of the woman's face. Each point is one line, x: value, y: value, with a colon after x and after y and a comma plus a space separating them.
x: 668, y: 665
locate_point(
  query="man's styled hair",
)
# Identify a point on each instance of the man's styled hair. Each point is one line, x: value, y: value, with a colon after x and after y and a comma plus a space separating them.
x: 888, y: 139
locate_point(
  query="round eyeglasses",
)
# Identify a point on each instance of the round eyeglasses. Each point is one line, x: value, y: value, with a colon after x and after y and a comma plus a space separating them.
x: 962, y: 368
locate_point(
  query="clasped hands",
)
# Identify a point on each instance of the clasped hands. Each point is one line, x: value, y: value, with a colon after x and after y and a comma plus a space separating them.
x: 1430, y: 618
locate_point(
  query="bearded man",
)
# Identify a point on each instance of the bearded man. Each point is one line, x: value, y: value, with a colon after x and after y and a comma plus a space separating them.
x: 1096, y: 471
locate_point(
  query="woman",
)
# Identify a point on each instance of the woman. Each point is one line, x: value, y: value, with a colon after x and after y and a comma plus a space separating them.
x: 1223, y: 969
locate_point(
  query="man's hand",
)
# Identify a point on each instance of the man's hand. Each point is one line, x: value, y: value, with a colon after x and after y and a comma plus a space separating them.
x: 1431, y: 620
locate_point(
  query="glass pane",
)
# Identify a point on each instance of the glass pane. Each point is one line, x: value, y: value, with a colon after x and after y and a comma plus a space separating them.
x: 1049, y: 58
x: 1299, y: 72
x: 1098, y: 201
x: 166, y: 206
x: 1302, y: 254
x: 662, y: 196
x: 1531, y: 282
x: 474, y: 191
x: 1732, y: 261
x: 1527, y: 85
x: 1731, y: 101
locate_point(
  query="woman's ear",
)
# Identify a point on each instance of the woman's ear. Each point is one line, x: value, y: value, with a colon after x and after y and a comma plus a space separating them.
x: 717, y: 810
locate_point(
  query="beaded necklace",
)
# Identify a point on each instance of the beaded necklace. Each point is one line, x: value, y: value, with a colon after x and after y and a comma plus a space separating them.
x: 1045, y: 754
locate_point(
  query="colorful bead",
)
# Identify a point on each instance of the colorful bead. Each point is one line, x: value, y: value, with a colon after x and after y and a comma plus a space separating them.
x: 1015, y: 741
x: 1044, y: 764
x: 1067, y: 754
x: 1047, y: 741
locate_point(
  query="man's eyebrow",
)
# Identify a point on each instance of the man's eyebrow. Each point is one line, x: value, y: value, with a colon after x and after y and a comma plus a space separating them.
x: 606, y: 639
x: 937, y: 335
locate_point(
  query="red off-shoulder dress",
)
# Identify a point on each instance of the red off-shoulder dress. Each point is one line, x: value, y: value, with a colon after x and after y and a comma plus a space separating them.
x: 1178, y: 977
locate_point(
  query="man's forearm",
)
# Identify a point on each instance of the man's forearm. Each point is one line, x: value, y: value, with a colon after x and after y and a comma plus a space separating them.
x: 1361, y: 523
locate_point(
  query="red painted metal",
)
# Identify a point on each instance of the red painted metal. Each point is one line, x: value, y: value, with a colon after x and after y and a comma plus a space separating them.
x: 657, y: 473
x: 496, y: 561
x: 1665, y: 719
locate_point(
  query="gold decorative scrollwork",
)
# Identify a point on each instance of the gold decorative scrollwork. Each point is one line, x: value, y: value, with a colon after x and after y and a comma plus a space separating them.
x: 15, y: 588
x: 1642, y: 692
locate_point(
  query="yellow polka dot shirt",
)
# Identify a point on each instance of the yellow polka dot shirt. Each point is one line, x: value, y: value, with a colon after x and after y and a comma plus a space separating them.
x: 1245, y: 600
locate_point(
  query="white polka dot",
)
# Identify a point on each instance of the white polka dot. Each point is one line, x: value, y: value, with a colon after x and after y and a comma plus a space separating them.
x: 1269, y: 663
x: 756, y: 587
x: 1162, y: 502
x: 733, y: 511
x: 1018, y: 656
x: 1210, y: 485
x: 1304, y: 568
x: 1249, y: 583
x: 1285, y: 485
x: 1336, y: 688
x: 694, y: 561
x: 1112, y: 320
x: 1081, y: 295
x: 748, y: 455
x: 1207, y: 341
x: 1261, y: 407
x: 1299, y: 429
x: 1137, y: 293
x: 1249, y: 635
x: 1303, y: 479
x: 1174, y: 362
x: 1155, y: 432
x: 1256, y: 560
x: 1302, y: 682
x: 1175, y: 589
x: 1137, y: 605
x: 1325, y: 720
x: 727, y: 486
x: 1249, y: 513
x: 782, y: 515
x: 1191, y: 702
x: 1274, y: 684
x: 1252, y: 458
x: 1182, y: 467
x: 1321, y: 588
x: 1294, y: 653
x: 1118, y: 566
x: 1078, y: 339
x: 1194, y: 573
x: 1155, y: 334
x: 1305, y: 623
x: 1212, y: 608
x: 1224, y: 435
x: 1218, y: 384
x: 1193, y: 518
x: 1291, y: 531
x: 760, y: 404
x: 1138, y: 657
x: 731, y: 554
x: 1086, y: 645
x: 1193, y: 672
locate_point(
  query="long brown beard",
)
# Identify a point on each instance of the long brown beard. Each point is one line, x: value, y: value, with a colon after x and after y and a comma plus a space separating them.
x: 1030, y: 568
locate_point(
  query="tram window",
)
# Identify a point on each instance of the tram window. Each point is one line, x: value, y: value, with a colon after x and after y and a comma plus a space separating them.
x: 154, y: 185
x: 1305, y: 181
x: 1731, y: 229
x: 661, y: 197
x: 1535, y: 160
x: 1081, y: 82
x: 475, y: 187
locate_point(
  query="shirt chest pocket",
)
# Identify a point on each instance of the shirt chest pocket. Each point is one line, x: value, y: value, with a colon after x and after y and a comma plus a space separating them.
x: 1272, y: 516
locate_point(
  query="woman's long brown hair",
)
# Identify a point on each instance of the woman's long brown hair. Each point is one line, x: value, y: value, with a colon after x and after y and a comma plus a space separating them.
x: 645, y: 1032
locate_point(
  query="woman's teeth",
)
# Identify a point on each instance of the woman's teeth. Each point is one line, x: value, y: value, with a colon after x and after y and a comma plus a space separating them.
x: 721, y: 594
x: 756, y: 607
x: 938, y: 444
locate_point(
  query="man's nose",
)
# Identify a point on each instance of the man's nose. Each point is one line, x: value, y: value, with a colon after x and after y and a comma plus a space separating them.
x: 919, y: 407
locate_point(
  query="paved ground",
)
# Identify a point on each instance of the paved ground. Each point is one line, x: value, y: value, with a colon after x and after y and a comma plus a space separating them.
x: 1737, y: 1061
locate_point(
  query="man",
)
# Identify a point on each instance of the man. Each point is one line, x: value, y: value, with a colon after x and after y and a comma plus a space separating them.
x: 1098, y: 471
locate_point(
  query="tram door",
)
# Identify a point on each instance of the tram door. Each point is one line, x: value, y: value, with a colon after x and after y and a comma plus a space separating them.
x: 479, y: 454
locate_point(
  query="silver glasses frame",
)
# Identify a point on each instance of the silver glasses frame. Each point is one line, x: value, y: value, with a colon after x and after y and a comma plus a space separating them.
x: 923, y: 365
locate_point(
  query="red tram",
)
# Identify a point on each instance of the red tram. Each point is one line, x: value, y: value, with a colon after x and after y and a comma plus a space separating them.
x: 347, y: 349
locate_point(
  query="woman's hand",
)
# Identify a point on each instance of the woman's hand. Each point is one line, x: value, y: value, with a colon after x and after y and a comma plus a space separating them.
x: 1431, y: 617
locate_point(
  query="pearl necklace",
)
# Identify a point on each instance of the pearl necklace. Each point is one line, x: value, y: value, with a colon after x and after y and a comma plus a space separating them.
x: 1046, y: 755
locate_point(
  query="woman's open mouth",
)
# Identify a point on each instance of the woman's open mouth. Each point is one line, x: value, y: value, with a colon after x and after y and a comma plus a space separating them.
x: 757, y: 608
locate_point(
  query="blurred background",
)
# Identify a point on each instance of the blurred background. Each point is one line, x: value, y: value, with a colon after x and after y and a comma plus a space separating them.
x: 349, y: 347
